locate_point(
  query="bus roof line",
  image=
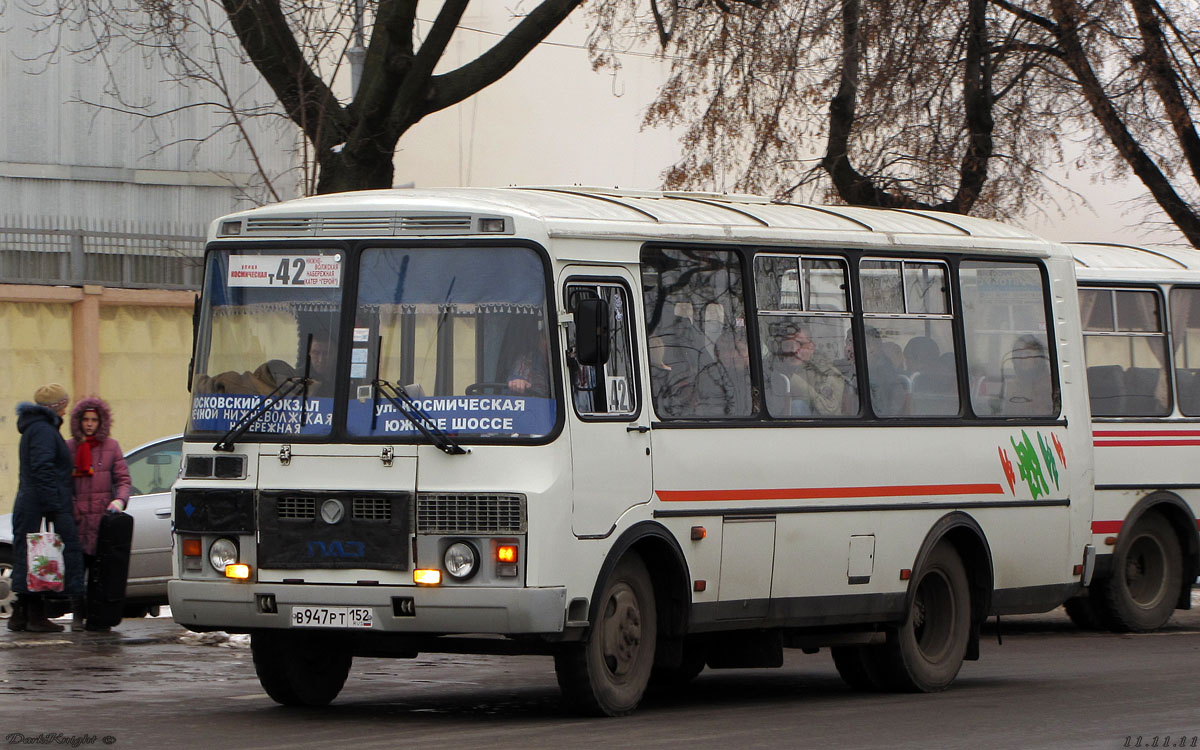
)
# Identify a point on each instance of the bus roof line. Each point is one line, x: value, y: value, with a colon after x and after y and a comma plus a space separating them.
x: 926, y: 214
x: 719, y: 204
x: 1135, y: 248
x: 597, y: 196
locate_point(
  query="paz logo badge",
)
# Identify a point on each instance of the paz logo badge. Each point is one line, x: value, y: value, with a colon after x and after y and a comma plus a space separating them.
x: 332, y: 511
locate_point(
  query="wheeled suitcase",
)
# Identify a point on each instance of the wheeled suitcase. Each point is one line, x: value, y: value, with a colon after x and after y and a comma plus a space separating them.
x: 106, y: 589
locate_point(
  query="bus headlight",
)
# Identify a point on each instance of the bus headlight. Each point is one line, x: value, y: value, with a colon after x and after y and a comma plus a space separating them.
x: 222, y: 552
x: 461, y: 560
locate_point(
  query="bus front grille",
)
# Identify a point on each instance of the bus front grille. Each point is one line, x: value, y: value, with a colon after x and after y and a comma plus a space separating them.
x: 470, y: 514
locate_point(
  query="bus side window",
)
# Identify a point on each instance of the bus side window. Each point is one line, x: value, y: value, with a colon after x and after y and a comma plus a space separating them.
x: 1125, y: 347
x: 696, y: 334
x: 1185, y: 331
x: 606, y: 389
x: 1009, y: 365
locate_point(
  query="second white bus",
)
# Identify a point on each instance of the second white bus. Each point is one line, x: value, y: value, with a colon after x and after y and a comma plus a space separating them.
x: 1140, y: 310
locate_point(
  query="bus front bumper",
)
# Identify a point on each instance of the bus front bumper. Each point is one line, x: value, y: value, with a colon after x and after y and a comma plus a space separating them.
x: 239, y: 607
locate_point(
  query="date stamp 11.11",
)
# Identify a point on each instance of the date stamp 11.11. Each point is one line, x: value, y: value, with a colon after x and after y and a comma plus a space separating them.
x: 1162, y: 740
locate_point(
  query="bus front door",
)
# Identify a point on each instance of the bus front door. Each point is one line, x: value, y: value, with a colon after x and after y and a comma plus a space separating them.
x: 610, y: 439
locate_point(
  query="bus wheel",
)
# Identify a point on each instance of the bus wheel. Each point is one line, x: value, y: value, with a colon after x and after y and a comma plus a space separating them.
x: 1141, y: 592
x: 925, y: 653
x: 607, y: 675
x: 300, y: 669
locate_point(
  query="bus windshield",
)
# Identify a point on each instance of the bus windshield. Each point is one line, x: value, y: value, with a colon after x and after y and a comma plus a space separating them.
x: 463, y: 331
x: 269, y: 324
x: 461, y: 334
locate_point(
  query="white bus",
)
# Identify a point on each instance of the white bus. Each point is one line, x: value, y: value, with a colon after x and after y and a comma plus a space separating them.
x: 1140, y: 310
x: 642, y: 433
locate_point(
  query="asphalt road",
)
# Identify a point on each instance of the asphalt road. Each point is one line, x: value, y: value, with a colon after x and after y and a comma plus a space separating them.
x: 150, y: 684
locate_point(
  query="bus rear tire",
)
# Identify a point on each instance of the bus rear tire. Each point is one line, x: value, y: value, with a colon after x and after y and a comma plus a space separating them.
x: 1140, y: 594
x: 925, y: 653
x: 300, y: 669
x: 608, y: 674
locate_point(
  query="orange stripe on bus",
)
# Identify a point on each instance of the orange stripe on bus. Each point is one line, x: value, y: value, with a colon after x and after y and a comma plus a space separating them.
x: 1142, y: 443
x: 1145, y: 433
x: 818, y: 493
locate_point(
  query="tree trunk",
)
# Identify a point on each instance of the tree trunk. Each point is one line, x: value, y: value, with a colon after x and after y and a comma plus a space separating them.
x: 1066, y: 15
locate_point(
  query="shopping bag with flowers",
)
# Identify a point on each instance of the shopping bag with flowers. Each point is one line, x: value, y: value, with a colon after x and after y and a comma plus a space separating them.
x: 45, y: 556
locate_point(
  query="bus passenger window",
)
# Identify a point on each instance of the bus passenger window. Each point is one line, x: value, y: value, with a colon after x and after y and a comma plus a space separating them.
x: 1185, y: 328
x: 1009, y: 365
x: 696, y: 334
x: 912, y: 361
x: 1126, y: 351
x: 808, y: 344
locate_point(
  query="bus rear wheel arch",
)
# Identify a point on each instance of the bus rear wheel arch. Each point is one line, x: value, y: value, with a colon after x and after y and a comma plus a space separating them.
x: 925, y: 652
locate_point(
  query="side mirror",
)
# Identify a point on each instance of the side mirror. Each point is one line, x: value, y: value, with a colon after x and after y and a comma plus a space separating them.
x: 591, y: 331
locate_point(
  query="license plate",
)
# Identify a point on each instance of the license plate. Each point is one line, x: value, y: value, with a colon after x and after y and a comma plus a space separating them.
x: 333, y: 617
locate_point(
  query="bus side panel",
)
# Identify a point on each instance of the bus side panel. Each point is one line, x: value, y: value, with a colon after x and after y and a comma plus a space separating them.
x: 850, y: 507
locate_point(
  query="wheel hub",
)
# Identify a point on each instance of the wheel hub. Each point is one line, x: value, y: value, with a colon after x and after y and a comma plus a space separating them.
x: 622, y: 631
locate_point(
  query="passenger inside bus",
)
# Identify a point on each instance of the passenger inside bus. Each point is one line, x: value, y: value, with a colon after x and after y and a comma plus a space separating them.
x: 802, y: 381
x: 529, y: 368
x: 677, y: 356
x: 1027, y: 388
x: 724, y: 388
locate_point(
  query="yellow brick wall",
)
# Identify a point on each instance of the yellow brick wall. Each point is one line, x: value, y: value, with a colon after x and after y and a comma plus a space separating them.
x: 35, y: 349
x: 144, y: 353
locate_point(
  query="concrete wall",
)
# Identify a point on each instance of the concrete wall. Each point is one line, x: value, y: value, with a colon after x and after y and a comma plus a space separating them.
x: 130, y: 347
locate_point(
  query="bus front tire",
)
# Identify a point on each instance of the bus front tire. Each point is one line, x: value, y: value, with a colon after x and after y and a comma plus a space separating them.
x: 297, y: 669
x: 608, y: 674
x: 925, y: 653
x: 1140, y: 594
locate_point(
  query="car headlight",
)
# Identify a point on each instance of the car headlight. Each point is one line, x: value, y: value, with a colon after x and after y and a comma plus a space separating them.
x: 222, y: 552
x: 461, y: 560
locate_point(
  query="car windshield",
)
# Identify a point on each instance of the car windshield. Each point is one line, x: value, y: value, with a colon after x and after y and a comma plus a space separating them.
x: 463, y: 331
x: 270, y: 318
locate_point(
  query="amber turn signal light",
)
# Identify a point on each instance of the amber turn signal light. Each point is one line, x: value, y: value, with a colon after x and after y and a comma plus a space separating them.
x: 427, y: 577
x: 506, y: 553
x: 239, y: 571
x: 192, y: 548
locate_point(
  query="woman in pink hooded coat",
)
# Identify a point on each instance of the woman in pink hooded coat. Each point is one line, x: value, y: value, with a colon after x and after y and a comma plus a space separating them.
x: 101, y: 483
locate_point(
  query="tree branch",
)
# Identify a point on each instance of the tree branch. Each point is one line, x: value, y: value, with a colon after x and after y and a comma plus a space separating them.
x: 451, y: 88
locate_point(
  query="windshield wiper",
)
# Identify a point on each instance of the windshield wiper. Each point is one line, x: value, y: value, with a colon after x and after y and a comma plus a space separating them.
x: 282, y: 391
x: 404, y: 404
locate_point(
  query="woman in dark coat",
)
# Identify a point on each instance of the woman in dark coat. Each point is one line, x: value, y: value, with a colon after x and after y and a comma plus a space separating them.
x: 44, y: 491
x: 101, y: 484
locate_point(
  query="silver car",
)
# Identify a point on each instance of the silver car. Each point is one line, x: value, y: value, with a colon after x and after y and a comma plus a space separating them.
x: 152, y: 471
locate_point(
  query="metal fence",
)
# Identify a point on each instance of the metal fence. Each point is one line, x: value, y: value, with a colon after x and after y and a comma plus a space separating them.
x: 117, y: 254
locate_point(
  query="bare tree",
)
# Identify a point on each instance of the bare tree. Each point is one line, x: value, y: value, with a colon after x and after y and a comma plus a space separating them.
x: 894, y: 103
x: 1134, y: 64
x: 303, y: 49
x: 923, y: 103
